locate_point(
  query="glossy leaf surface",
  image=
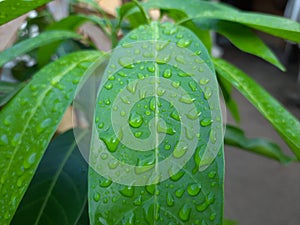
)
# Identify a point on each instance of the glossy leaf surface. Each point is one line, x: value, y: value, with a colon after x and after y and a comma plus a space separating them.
x: 29, y: 121
x: 187, y: 196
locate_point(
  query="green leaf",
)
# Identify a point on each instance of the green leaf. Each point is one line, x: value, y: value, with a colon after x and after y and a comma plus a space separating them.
x: 244, y: 39
x: 229, y: 222
x: 9, y: 90
x: 29, y: 121
x: 226, y: 88
x: 70, y: 23
x: 172, y: 193
x: 236, y: 137
x: 197, y: 9
x: 32, y: 43
x: 12, y: 9
x: 57, y: 193
x: 283, y: 121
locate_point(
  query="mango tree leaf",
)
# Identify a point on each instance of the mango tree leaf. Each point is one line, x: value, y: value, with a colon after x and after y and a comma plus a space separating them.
x: 243, y: 38
x: 70, y: 23
x: 197, y: 9
x: 287, y: 126
x: 231, y: 104
x: 151, y: 55
x: 236, y: 137
x: 57, y: 193
x: 9, y: 90
x: 29, y: 121
x: 12, y: 9
x: 35, y: 42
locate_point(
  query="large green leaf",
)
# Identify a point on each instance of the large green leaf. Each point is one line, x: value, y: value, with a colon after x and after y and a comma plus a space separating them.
x: 14, y: 8
x: 57, y: 193
x: 9, y: 90
x: 243, y: 38
x: 283, y: 121
x: 28, y: 122
x: 157, y: 72
x: 32, y: 43
x: 236, y: 137
x: 197, y: 9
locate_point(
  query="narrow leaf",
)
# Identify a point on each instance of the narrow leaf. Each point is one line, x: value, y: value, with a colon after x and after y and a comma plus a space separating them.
x: 244, y: 39
x: 32, y: 43
x: 29, y: 121
x: 197, y: 9
x: 236, y: 137
x: 168, y: 85
x: 283, y: 121
x: 57, y: 193
x: 11, y: 9
x: 9, y: 90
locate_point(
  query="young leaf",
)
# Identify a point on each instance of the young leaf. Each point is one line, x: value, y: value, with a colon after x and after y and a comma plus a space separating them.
x: 243, y: 38
x: 57, y: 193
x: 236, y: 137
x: 12, y: 9
x: 283, y: 121
x: 156, y: 64
x: 28, y: 122
x: 197, y: 9
x: 35, y: 42
x: 9, y: 90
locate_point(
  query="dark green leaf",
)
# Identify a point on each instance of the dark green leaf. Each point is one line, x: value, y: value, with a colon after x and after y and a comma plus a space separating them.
x: 226, y: 88
x: 57, y: 193
x: 11, y: 9
x: 236, y: 137
x: 188, y: 195
x: 243, y: 38
x: 9, y: 90
x: 32, y: 43
x: 28, y: 122
x: 197, y: 9
x: 283, y: 121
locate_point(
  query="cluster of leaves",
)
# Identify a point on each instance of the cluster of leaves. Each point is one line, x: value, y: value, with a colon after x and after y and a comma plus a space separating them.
x: 32, y: 109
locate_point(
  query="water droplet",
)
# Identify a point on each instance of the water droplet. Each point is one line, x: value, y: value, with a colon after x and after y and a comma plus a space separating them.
x: 175, y: 115
x: 180, y: 59
x: 204, y: 81
x: 179, y: 151
x: 167, y: 147
x: 41, y: 127
x: 183, y: 43
x: 160, y: 91
x: 127, y: 191
x: 167, y: 73
x: 135, y: 120
x: 101, y: 125
x: 198, y: 52
x: 29, y: 161
x: 194, y: 189
x: 212, y: 216
x: 20, y: 182
x: 138, y: 201
x: 185, y: 212
x: 179, y: 192
x: 126, y: 62
x: 108, y: 86
x: 3, y: 139
x: 131, y: 87
x: 16, y: 139
x: 96, y: 197
x: 125, y: 100
x: 7, y: 121
x: 186, y: 99
x: 138, y: 134
x: 165, y: 130
x: 105, y: 183
x: 207, y: 93
x: 170, y: 199
x: 176, y: 176
x: 206, y: 122
x: 150, y: 189
x: 151, y: 69
x: 212, y: 137
x: 140, y: 76
x: 212, y: 174
x: 152, y: 104
x: 176, y: 84
x: 112, y: 143
x: 193, y: 86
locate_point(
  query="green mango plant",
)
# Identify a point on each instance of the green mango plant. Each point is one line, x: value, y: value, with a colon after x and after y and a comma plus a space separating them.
x: 157, y: 111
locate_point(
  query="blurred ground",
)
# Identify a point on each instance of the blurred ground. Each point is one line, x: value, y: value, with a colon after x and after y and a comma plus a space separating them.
x: 259, y: 191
